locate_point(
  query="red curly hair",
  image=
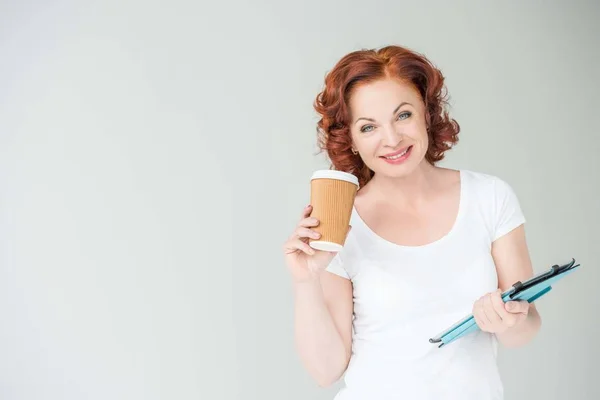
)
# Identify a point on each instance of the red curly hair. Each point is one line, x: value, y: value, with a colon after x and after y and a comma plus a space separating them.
x: 366, y: 66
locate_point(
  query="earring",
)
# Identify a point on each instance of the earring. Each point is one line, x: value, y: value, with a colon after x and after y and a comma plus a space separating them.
x: 354, y: 151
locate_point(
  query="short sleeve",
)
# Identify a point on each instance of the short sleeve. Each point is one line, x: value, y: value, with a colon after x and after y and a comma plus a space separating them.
x: 507, y: 209
x: 336, y: 267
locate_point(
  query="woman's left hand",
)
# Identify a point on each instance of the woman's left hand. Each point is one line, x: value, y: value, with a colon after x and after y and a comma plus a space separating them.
x: 494, y: 316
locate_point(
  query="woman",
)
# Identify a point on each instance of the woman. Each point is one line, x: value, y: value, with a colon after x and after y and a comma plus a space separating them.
x: 427, y: 245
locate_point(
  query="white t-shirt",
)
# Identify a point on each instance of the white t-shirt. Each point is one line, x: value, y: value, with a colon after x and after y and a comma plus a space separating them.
x: 403, y: 295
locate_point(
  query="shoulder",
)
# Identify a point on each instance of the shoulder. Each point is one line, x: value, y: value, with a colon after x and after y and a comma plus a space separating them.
x: 479, y: 178
x: 485, y: 185
x: 495, y: 201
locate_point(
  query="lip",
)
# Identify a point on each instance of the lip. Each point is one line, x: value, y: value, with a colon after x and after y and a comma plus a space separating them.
x: 401, y: 159
x: 396, y: 152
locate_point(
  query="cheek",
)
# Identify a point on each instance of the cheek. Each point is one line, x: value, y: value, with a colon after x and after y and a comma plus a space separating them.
x: 367, y: 144
x: 418, y: 133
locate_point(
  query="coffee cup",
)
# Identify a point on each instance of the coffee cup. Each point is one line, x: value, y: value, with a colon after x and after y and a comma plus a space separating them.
x: 332, y: 195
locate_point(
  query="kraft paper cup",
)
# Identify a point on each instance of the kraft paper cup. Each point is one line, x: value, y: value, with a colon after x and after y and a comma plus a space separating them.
x: 332, y: 196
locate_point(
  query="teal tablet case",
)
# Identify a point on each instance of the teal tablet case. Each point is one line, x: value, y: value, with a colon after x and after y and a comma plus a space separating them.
x: 529, y: 290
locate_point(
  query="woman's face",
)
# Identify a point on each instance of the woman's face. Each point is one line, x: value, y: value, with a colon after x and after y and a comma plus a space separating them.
x: 388, y: 127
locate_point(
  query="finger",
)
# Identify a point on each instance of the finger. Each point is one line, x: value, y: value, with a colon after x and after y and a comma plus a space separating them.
x: 309, y: 222
x: 295, y: 245
x: 482, y: 325
x: 488, y: 309
x: 508, y: 319
x: 479, y: 316
x: 481, y: 312
x: 306, y: 212
x: 307, y: 233
x: 517, y: 307
x: 498, y: 305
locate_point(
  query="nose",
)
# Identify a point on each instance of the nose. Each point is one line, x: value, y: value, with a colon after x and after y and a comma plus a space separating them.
x: 391, y: 136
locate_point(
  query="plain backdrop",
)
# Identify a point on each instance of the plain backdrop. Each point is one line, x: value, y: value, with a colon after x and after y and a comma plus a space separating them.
x: 154, y: 156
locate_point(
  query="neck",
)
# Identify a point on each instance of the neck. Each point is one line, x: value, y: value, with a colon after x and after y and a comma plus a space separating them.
x: 408, y: 191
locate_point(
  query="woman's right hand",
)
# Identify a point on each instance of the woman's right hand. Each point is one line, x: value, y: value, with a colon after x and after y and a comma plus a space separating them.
x: 304, y: 262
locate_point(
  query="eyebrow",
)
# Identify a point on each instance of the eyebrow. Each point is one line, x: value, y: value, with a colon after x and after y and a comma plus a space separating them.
x: 395, y: 111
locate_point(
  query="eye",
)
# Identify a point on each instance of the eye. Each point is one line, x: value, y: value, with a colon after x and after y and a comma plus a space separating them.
x: 404, y: 115
x: 367, y: 128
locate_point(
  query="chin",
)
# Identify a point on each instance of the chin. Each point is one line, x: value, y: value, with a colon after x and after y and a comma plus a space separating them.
x: 395, y: 172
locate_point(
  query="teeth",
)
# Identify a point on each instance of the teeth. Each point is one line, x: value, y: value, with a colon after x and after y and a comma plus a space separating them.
x: 397, y: 156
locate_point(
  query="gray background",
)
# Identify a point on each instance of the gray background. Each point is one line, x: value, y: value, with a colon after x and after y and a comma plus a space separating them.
x: 155, y: 155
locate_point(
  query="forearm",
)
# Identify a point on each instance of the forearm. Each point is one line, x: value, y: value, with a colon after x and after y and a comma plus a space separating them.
x: 522, y: 333
x: 319, y: 344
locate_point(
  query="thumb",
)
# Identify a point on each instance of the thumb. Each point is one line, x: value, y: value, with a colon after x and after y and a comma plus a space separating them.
x: 515, y: 306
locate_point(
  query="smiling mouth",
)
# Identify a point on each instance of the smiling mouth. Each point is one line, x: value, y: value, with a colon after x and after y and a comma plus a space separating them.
x: 399, y: 155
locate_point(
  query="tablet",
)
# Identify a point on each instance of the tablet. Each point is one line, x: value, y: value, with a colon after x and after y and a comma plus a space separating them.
x: 530, y: 290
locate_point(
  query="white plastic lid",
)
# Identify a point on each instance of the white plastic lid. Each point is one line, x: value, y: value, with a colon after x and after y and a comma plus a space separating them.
x: 333, y: 174
x: 326, y: 246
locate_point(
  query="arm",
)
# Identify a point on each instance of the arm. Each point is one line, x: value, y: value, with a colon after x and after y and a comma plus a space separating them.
x: 513, y: 263
x: 323, y: 325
